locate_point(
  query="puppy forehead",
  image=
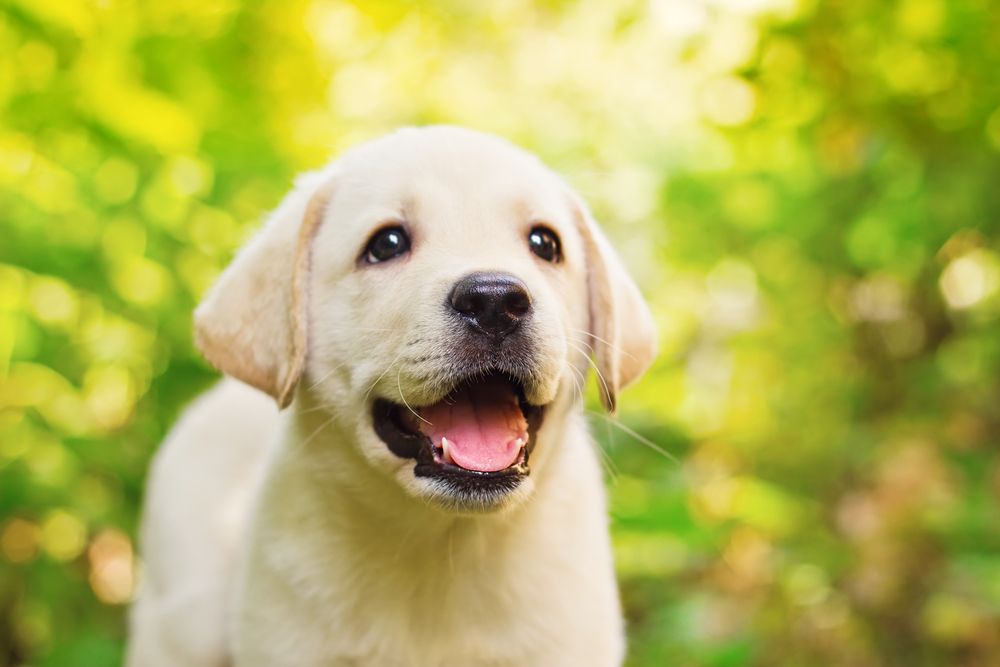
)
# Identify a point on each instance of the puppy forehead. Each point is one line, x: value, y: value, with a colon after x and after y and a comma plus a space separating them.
x: 444, y: 172
x: 438, y: 147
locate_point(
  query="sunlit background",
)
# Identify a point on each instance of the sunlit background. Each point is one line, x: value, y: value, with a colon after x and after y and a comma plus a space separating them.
x: 808, y: 192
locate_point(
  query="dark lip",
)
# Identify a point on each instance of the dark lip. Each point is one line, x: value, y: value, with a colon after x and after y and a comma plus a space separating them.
x: 405, y: 443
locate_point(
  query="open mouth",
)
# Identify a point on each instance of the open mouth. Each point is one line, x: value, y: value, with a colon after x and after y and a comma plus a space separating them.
x: 478, y: 437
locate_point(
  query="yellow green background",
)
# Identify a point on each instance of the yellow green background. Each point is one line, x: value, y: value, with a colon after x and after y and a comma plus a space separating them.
x: 808, y: 192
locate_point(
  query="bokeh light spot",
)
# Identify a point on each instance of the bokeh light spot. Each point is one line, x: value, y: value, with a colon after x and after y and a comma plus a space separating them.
x: 728, y: 101
x: 732, y: 286
x: 190, y: 177
x: 53, y: 302
x: 214, y: 231
x: 116, y: 180
x: 649, y: 555
x: 921, y: 19
x: 112, y: 567
x: 64, y: 536
x: 680, y: 18
x: 19, y: 540
x: 141, y: 281
x: 110, y: 393
x: 878, y: 298
x: 807, y: 584
x: 970, y: 279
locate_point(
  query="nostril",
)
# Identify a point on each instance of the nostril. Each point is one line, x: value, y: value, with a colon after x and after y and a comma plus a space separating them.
x: 517, y: 303
x: 468, y: 303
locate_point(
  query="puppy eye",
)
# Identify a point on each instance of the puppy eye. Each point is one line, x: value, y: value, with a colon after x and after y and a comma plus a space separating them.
x: 545, y: 243
x: 386, y: 244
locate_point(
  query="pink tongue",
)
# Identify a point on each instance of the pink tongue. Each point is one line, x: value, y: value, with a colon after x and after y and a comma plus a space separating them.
x: 483, y: 424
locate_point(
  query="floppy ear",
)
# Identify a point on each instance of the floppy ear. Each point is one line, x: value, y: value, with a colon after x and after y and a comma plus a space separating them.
x: 253, y: 322
x: 621, y: 326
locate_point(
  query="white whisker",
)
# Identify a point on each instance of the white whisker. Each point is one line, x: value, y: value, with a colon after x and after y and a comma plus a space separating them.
x: 579, y: 380
x: 318, y: 430
x: 607, y: 390
x: 609, y: 466
x: 606, y: 342
x: 399, y: 387
x: 316, y: 408
x: 326, y: 377
x: 379, y: 378
x: 354, y: 328
x: 638, y: 436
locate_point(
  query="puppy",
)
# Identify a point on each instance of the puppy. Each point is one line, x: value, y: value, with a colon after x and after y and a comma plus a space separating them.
x: 425, y: 308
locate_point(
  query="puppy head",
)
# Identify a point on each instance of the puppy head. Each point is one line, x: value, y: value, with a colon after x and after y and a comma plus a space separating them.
x: 439, y: 291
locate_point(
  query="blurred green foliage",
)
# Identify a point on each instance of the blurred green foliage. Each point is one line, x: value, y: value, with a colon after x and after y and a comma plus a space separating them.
x: 809, y: 193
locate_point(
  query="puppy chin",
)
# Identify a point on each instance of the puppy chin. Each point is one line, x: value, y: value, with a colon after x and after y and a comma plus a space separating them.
x: 438, y: 493
x: 446, y: 498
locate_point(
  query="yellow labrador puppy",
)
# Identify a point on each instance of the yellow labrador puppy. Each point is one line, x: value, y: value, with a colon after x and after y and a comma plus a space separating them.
x: 424, y: 307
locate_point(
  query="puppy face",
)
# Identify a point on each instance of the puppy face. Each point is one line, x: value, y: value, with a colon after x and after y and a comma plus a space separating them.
x: 438, y: 291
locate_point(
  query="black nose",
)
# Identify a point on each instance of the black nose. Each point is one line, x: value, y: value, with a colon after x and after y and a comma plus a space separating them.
x: 492, y: 303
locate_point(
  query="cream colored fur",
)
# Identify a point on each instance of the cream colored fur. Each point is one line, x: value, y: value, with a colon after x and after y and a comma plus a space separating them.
x: 297, y: 538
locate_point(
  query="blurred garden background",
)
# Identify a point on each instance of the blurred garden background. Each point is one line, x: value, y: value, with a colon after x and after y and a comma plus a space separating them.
x: 808, y: 192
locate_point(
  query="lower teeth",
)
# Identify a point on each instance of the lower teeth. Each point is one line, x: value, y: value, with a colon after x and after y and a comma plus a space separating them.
x: 445, y: 456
